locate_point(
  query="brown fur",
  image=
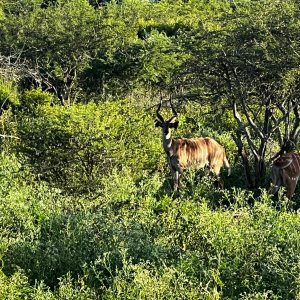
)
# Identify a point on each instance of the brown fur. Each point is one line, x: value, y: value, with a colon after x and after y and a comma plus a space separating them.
x: 200, y: 152
x: 286, y: 172
x: 197, y: 152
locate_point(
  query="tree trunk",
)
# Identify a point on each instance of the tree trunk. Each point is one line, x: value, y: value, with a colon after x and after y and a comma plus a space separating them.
x: 260, y: 171
x: 243, y: 154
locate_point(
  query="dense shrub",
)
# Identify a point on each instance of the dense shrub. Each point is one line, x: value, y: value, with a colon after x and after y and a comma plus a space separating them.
x: 87, y: 209
x: 131, y: 238
x: 128, y: 242
x: 74, y: 147
x: 32, y: 100
x: 119, y: 232
x: 8, y: 94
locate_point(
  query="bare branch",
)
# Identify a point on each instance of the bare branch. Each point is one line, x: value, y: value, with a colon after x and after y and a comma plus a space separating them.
x: 159, y: 116
x: 245, y: 130
x: 9, y: 136
x: 285, y: 112
x: 277, y: 129
x: 249, y: 119
x: 296, y: 128
x: 241, y: 150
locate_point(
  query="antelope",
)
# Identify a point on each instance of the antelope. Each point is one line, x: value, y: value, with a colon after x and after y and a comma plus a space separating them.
x: 285, y: 172
x: 186, y: 152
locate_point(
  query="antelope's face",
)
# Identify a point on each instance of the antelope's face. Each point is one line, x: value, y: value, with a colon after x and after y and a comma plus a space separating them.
x: 166, y: 125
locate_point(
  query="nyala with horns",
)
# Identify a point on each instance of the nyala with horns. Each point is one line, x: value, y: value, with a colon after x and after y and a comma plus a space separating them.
x: 183, y: 153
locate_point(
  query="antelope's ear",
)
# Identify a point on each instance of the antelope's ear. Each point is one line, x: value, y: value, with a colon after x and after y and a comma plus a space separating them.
x: 174, y: 125
x: 157, y: 123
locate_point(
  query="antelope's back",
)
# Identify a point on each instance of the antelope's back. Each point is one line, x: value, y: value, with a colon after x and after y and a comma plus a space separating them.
x: 289, y: 162
x: 191, y: 152
x: 216, y: 151
x: 198, y: 151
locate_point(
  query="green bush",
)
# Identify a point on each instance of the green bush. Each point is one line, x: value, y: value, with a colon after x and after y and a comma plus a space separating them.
x: 145, y: 281
x: 74, y: 147
x: 18, y: 287
x: 8, y: 94
x: 133, y: 240
x: 31, y: 101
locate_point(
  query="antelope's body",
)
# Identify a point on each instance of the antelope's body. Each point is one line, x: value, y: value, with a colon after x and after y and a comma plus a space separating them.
x: 199, y: 152
x: 183, y: 152
x: 286, y: 172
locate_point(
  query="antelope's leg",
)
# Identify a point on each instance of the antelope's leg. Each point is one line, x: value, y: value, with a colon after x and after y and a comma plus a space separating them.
x: 291, y: 186
x: 220, y: 183
x: 273, y: 189
x: 215, y: 170
x: 276, y: 181
x: 275, y: 185
x: 176, y: 170
x: 176, y: 180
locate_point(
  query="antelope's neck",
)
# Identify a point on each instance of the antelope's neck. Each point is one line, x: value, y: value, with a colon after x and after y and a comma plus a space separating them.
x: 167, y: 143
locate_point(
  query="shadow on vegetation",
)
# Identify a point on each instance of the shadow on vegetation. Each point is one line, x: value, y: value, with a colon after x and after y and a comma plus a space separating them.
x: 201, y: 185
x: 83, y: 244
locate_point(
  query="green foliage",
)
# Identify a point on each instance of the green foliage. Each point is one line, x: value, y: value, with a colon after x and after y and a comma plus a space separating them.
x: 74, y: 147
x: 1, y: 13
x: 144, y: 281
x: 127, y: 242
x: 86, y: 205
x: 16, y: 287
x: 57, y: 42
x: 31, y: 101
x: 160, y: 58
x: 8, y: 94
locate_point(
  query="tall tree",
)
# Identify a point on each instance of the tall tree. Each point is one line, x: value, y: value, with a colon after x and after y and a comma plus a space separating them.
x: 249, y: 62
x: 53, y: 44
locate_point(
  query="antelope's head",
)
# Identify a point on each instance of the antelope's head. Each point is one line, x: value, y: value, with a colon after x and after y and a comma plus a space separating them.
x: 288, y: 146
x: 165, y: 125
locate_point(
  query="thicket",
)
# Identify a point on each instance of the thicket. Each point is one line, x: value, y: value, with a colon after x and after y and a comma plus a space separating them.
x: 86, y: 203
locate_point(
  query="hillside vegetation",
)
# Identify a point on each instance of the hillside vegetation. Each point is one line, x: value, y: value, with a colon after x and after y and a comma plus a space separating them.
x: 87, y: 209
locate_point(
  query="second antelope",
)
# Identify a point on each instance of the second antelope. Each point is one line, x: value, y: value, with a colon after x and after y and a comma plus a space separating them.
x: 186, y: 152
x: 286, y: 172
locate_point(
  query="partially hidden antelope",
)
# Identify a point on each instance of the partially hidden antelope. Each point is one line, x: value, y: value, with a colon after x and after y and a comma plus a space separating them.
x: 285, y: 172
x: 186, y: 152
